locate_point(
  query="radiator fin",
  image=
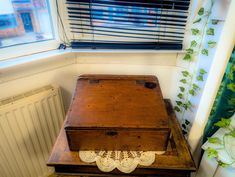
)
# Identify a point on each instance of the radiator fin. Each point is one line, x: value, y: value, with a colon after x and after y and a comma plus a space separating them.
x: 29, y: 125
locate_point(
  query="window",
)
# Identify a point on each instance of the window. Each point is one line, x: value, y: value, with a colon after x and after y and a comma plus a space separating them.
x: 24, y: 21
x: 120, y: 12
x: 8, y: 22
x: 122, y: 24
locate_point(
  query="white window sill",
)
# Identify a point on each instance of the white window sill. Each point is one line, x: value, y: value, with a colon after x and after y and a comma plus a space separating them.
x: 31, y: 58
x: 19, y: 61
x: 33, y: 64
x: 36, y: 63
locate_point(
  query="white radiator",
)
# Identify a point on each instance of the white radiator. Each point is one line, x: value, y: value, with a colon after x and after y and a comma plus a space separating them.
x: 29, y: 125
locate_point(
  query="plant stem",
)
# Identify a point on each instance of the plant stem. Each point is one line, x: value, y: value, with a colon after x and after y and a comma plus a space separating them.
x: 199, y: 49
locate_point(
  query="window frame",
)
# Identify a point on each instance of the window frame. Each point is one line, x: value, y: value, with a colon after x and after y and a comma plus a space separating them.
x: 35, y: 47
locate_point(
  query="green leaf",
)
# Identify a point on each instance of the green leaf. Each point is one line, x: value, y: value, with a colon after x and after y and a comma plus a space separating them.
x: 214, y: 21
x: 187, y: 122
x: 185, y: 73
x: 231, y: 87
x: 222, y: 164
x: 205, y: 52
x: 211, y: 153
x: 223, y: 123
x: 182, y: 89
x: 195, y: 86
x: 231, y: 101
x: 180, y: 95
x: 187, y: 105
x: 200, y: 78
x: 192, y: 92
x: 198, y: 20
x: 179, y: 103
x: 176, y: 108
x: 233, y: 68
x: 211, y: 44
x: 201, y: 11
x: 232, y: 133
x: 214, y: 140
x: 202, y: 71
x: 210, y: 31
x: 195, y: 31
x: 189, y: 51
x: 184, y: 132
x: 187, y: 57
x: 230, y: 75
x: 193, y: 43
x: 183, y: 81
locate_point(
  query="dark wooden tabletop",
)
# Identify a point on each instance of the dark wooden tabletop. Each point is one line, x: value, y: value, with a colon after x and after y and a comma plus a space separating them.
x: 176, y: 161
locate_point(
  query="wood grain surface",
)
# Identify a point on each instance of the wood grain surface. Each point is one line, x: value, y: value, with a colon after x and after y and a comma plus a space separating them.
x: 176, y: 162
x: 113, y: 112
x: 117, y: 101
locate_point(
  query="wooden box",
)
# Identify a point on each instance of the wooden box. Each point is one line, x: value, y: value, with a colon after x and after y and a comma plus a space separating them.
x: 110, y: 112
x: 177, y: 161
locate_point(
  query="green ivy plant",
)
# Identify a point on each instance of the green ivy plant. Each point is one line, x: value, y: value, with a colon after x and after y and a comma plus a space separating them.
x: 188, y: 86
x: 213, y: 152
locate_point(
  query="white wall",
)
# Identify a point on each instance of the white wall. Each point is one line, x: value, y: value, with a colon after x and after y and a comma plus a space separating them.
x: 63, y: 70
x: 161, y: 65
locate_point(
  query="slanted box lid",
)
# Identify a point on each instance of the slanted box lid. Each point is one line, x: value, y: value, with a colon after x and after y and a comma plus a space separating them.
x: 114, y: 101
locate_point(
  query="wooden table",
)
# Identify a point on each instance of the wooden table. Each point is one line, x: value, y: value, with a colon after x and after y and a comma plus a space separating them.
x: 175, y: 162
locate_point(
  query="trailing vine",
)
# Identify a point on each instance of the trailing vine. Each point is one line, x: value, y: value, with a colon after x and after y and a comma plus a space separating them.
x: 219, y: 143
x: 188, y: 82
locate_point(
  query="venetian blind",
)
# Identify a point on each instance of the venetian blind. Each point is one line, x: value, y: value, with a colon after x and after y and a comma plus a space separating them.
x: 122, y: 24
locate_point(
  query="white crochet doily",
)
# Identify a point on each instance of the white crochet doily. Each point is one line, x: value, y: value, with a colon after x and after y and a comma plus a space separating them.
x: 125, y: 161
